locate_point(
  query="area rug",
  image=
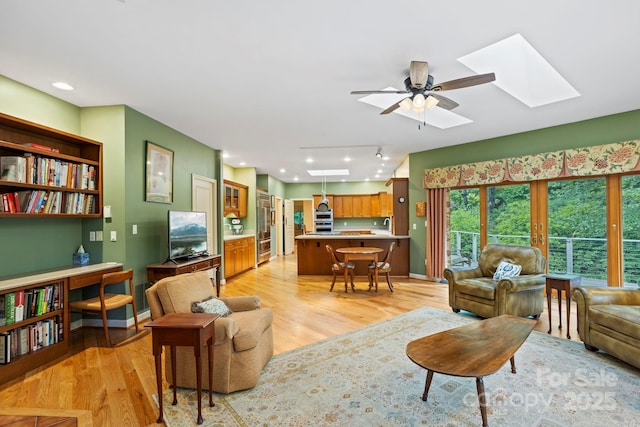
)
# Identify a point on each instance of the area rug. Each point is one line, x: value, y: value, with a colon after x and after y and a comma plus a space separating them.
x: 364, y: 378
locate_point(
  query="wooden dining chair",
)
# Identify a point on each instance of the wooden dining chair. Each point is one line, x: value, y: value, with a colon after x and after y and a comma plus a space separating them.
x: 338, y: 266
x: 384, y: 266
x: 106, y: 301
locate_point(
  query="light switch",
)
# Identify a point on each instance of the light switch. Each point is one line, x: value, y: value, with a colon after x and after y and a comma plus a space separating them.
x: 99, y: 236
x: 92, y: 236
x: 113, y: 236
x: 134, y: 229
x: 106, y: 211
x: 414, y: 226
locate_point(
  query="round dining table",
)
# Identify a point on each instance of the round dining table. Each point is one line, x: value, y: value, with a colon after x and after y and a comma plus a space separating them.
x: 359, y: 253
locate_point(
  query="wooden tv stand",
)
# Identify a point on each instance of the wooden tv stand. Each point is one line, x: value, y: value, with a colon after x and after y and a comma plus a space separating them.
x: 156, y: 272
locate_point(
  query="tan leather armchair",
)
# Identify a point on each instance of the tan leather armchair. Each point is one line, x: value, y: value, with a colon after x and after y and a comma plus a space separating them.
x: 243, y: 342
x: 474, y: 289
x: 609, y: 319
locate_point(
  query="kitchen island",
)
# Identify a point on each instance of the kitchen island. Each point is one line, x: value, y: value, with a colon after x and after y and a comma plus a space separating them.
x: 313, y: 258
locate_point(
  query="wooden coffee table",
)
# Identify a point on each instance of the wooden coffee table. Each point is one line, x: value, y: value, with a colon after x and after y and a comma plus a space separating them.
x: 475, y: 350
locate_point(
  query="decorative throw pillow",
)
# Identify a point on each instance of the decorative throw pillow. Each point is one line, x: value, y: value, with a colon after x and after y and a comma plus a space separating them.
x: 506, y: 269
x: 211, y: 306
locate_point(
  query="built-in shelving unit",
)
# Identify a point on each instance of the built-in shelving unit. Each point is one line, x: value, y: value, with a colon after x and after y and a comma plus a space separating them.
x: 33, y: 326
x: 47, y: 172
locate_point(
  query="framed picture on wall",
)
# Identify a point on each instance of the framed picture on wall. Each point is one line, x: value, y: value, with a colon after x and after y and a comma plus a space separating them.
x: 273, y: 217
x: 159, y: 174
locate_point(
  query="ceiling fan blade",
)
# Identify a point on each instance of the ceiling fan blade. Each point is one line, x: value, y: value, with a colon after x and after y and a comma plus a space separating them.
x: 465, y: 82
x: 393, y: 107
x: 418, y: 73
x: 444, y: 102
x: 373, y: 92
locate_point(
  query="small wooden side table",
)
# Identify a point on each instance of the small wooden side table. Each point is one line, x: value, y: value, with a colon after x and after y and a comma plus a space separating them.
x: 561, y: 282
x: 183, y: 329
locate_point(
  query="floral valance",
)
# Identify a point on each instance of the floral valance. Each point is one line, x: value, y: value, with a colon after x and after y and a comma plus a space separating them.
x: 607, y: 159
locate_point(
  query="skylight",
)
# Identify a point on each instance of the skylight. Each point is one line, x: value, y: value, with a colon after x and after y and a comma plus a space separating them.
x: 328, y: 172
x: 521, y: 72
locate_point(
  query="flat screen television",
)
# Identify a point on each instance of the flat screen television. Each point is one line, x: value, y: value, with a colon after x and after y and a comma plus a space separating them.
x: 187, y: 234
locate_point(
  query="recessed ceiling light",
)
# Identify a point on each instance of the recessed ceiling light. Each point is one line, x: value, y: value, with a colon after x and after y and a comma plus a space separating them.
x: 347, y: 159
x: 243, y: 163
x: 309, y: 160
x: 328, y: 172
x: 225, y: 155
x: 282, y: 170
x: 521, y: 71
x: 295, y: 178
x: 62, y: 86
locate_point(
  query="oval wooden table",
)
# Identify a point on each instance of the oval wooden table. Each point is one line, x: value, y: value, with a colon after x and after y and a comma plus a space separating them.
x: 360, y: 253
x: 474, y: 350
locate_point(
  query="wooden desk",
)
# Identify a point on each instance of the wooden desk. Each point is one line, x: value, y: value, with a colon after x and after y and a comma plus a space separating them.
x: 561, y: 282
x: 360, y: 253
x: 183, y: 329
x: 474, y: 350
x: 156, y: 272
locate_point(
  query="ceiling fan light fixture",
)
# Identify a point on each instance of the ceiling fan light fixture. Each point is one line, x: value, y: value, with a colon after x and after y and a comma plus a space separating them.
x: 418, y: 102
x: 406, y: 104
x: 431, y: 102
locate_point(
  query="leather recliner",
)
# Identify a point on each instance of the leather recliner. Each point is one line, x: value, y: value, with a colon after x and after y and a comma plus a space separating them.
x: 243, y: 340
x: 475, y: 290
x: 609, y: 319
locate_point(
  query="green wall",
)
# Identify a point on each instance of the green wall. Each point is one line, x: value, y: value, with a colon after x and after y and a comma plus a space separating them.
x: 307, y: 190
x: 31, y: 244
x: 602, y: 130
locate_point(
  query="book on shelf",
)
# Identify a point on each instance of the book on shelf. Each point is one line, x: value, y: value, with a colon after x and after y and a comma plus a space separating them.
x: 19, y: 309
x: 5, y: 346
x: 40, y: 146
x: 23, y: 338
x: 13, y: 168
x: 10, y: 308
x: 3, y: 319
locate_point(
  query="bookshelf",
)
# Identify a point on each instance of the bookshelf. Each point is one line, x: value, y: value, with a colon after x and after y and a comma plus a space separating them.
x: 65, y: 280
x: 38, y: 334
x: 47, y: 172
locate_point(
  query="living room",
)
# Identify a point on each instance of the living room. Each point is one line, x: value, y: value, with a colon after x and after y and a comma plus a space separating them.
x: 47, y: 243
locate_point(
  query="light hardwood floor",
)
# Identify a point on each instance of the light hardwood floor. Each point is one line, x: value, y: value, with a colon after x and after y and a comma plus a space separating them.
x: 117, y: 383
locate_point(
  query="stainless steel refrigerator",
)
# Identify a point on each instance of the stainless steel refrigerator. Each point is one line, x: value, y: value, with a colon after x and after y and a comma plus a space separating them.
x: 264, y: 226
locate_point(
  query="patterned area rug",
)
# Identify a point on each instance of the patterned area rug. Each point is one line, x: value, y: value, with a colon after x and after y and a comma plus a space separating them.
x: 364, y: 378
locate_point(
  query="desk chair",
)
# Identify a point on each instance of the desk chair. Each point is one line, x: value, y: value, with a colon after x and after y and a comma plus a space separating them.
x: 338, y: 266
x: 384, y: 266
x: 109, y: 301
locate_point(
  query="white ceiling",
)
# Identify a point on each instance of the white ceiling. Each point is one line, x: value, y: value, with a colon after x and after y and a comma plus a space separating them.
x: 265, y: 80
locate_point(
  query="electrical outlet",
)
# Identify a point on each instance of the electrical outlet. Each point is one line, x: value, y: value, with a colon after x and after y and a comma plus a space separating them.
x: 92, y: 236
x: 414, y: 226
x: 113, y: 236
x: 375, y: 223
x: 134, y: 229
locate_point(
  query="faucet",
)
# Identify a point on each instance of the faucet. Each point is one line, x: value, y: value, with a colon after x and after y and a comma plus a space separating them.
x: 387, y: 221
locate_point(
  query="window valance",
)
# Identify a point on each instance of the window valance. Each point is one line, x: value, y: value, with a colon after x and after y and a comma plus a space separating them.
x: 606, y: 159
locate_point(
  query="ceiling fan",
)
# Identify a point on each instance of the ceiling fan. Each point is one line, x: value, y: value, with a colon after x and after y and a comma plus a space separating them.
x: 420, y: 89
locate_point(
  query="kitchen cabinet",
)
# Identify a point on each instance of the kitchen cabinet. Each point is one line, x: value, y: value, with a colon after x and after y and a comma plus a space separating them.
x: 359, y: 205
x: 235, y: 199
x: 385, y: 201
x: 239, y: 255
